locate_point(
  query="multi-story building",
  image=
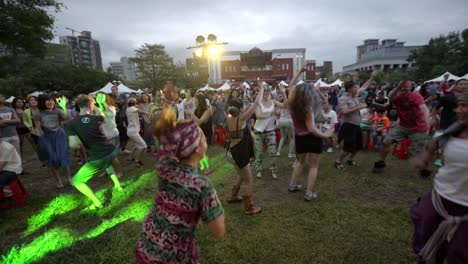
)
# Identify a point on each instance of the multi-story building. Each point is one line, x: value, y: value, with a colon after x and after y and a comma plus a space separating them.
x: 388, y: 55
x: 58, y: 53
x: 311, y: 70
x: 276, y: 64
x: 125, y: 69
x: 84, y: 50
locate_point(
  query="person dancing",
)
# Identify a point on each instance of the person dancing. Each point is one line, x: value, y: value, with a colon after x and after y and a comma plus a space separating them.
x: 133, y: 131
x: 440, y: 217
x: 86, y: 128
x: 185, y: 197
x: 241, y: 150
x: 306, y: 105
x: 52, y: 137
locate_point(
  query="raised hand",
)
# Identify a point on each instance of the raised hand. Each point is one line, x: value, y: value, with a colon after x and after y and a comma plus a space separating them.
x: 62, y: 102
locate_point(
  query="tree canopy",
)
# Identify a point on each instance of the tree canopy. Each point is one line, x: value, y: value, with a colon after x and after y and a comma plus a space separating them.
x: 441, y: 54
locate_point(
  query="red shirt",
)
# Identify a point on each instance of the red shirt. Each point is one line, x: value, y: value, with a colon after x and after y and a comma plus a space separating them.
x: 410, y: 115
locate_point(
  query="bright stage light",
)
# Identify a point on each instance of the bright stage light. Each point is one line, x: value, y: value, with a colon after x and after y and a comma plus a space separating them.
x: 213, y: 50
x: 199, y: 52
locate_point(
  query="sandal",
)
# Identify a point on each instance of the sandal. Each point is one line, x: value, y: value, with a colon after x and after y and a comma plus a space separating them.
x: 352, y: 163
x: 340, y: 166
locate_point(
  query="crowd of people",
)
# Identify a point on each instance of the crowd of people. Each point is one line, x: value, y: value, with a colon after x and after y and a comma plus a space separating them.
x: 178, y: 126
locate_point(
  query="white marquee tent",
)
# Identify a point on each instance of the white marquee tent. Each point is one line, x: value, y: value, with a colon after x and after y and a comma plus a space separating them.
x: 321, y: 83
x: 10, y: 99
x: 337, y: 82
x: 283, y: 83
x: 107, y: 89
x: 36, y: 93
x: 441, y: 78
x: 225, y: 87
x: 246, y: 85
x: 206, y: 88
x: 464, y: 76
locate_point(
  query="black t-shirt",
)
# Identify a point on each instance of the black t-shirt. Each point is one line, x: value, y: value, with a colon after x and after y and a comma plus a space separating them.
x: 448, y: 115
x: 88, y: 130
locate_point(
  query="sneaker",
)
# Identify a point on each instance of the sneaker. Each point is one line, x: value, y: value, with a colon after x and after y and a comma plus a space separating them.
x: 278, y: 154
x: 309, y: 196
x: 291, y: 155
x: 330, y: 150
x: 352, y: 163
x: 259, y: 174
x: 340, y: 166
x: 294, y: 188
x: 378, y: 166
x: 274, y: 176
x: 125, y: 152
x: 438, y: 163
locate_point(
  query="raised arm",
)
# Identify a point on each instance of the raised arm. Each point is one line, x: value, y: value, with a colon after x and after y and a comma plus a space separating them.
x: 292, y: 84
x: 248, y: 113
x: 368, y: 83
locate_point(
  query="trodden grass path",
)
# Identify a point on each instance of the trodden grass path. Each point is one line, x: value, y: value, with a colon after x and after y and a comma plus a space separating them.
x: 359, y: 217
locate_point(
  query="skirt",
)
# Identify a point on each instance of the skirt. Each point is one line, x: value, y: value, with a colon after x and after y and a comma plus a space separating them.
x: 243, y: 151
x: 53, y: 147
x: 308, y: 144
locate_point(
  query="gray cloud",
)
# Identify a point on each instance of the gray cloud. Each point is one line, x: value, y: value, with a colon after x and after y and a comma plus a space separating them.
x: 328, y: 29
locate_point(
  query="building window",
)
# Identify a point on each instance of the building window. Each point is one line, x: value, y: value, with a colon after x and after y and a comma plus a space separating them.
x: 287, y: 66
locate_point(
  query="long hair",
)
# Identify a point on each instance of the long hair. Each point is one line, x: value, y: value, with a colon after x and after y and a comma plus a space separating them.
x: 201, y: 105
x: 305, y: 100
x: 13, y: 104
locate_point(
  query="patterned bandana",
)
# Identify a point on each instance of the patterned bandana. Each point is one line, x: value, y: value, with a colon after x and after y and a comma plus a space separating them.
x: 181, y: 141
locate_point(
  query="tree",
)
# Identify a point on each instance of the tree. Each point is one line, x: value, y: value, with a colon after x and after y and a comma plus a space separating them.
x: 441, y: 54
x: 26, y: 27
x: 154, y: 65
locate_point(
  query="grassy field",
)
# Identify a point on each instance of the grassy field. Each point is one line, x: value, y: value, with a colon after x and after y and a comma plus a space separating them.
x: 359, y: 217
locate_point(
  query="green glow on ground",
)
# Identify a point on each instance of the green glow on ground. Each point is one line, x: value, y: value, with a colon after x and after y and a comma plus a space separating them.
x: 59, y: 238
x: 51, y: 241
x: 58, y: 206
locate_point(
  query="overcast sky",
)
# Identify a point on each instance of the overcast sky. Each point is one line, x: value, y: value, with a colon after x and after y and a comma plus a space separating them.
x: 328, y: 29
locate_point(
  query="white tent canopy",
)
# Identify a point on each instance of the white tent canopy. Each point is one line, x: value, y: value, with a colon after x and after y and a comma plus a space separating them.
x: 464, y: 76
x: 300, y: 82
x: 225, y: 87
x: 246, y: 85
x: 441, y: 78
x: 10, y: 99
x: 107, y: 89
x: 337, y: 82
x: 321, y: 83
x: 206, y: 88
x: 35, y: 94
x: 283, y: 83
x: 139, y: 91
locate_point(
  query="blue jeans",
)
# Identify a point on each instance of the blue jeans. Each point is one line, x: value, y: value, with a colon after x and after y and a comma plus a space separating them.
x: 375, y: 135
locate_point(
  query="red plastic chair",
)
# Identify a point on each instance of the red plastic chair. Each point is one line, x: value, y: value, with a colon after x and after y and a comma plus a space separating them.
x: 401, y: 152
x: 219, y: 133
x: 19, y: 195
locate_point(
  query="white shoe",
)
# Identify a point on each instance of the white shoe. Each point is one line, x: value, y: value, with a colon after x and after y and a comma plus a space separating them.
x: 291, y: 155
x: 278, y: 154
x: 329, y: 150
x: 125, y: 151
x: 274, y: 176
x: 259, y: 174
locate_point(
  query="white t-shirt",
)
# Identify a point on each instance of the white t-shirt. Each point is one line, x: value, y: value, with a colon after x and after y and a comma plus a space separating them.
x: 180, y: 111
x: 266, y: 124
x: 9, y: 154
x: 109, y: 127
x: 330, y: 119
x: 133, y: 127
x: 451, y: 181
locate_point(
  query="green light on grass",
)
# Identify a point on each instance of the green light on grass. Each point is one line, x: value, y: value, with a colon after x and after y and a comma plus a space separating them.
x: 51, y: 241
x: 58, y: 206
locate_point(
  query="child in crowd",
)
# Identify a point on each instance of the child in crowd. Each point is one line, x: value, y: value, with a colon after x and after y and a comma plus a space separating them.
x: 366, y: 123
x: 380, y: 127
x: 331, y: 119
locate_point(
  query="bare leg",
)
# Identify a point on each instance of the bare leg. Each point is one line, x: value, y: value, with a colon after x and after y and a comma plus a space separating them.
x: 313, y: 160
x: 342, y: 156
x: 297, y: 169
x: 54, y: 171
x: 117, y: 167
x: 385, y: 150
